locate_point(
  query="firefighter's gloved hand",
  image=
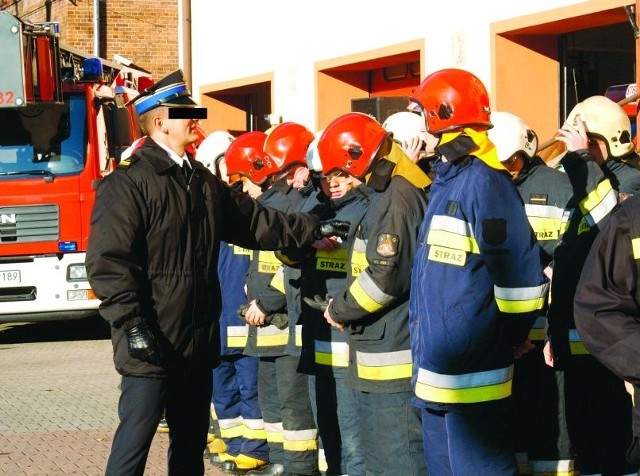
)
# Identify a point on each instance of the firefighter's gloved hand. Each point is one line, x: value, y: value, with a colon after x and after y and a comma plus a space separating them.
x: 242, y: 310
x: 329, y: 228
x: 141, y: 343
x: 318, y: 302
x: 278, y: 319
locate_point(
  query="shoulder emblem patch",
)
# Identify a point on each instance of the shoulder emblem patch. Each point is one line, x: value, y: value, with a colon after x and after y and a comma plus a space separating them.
x: 494, y: 231
x: 387, y: 245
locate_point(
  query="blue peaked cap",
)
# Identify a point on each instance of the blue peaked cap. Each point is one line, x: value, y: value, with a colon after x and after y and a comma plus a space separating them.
x: 169, y: 91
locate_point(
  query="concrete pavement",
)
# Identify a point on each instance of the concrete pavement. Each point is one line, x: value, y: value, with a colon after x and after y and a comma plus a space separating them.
x: 58, y: 409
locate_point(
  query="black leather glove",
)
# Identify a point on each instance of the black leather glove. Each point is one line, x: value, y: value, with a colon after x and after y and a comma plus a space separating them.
x: 329, y: 228
x: 318, y: 302
x: 278, y: 319
x: 141, y: 343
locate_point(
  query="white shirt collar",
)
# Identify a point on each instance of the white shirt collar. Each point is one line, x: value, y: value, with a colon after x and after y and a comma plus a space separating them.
x: 174, y: 156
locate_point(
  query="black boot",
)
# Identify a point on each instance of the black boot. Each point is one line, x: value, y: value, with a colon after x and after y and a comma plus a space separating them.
x: 269, y: 470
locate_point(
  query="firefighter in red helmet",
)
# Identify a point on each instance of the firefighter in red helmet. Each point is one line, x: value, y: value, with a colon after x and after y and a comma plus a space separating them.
x: 373, y: 306
x: 476, y: 286
x: 282, y: 391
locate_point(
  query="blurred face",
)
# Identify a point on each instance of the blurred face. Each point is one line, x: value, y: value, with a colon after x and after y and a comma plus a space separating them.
x: 222, y: 168
x: 514, y: 165
x: 598, y: 148
x: 250, y: 188
x: 298, y: 177
x: 337, y: 184
x: 176, y: 134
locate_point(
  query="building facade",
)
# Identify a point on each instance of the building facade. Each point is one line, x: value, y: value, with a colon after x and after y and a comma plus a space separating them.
x: 144, y: 32
x: 256, y: 63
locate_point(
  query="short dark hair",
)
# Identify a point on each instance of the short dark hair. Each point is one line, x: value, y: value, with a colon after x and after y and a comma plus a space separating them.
x: 146, y: 119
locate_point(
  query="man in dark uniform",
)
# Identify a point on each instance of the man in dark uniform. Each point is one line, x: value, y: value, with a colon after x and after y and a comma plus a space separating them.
x: 543, y: 448
x: 373, y: 307
x: 156, y: 229
x: 607, y: 306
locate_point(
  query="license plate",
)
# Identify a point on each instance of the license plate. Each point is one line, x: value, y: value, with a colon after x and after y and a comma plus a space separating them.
x: 11, y: 276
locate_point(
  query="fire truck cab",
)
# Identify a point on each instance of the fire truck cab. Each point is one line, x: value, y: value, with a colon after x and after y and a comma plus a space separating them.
x: 63, y: 125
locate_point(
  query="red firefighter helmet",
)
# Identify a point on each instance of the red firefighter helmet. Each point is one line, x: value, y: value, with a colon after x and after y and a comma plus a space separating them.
x: 351, y: 143
x: 451, y: 99
x: 286, y: 145
x: 245, y: 157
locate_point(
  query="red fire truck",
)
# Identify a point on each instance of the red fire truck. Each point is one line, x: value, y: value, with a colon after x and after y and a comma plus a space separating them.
x: 63, y: 126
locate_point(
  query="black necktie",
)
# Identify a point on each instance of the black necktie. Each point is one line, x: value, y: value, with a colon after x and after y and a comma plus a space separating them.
x: 186, y: 171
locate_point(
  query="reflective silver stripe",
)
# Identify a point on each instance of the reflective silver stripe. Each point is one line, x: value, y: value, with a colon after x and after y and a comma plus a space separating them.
x: 470, y: 380
x: 452, y: 225
x: 545, y: 211
x: 373, y: 291
x: 254, y: 424
x: 452, y: 233
x: 298, y: 336
x: 331, y: 347
x: 226, y: 423
x: 300, y: 435
x: 238, y: 331
x: 563, y: 466
x: 273, y: 427
x: 381, y: 359
x: 540, y: 323
x: 271, y: 331
x: 574, y: 336
x: 599, y: 203
x: 360, y: 245
x: 519, y: 300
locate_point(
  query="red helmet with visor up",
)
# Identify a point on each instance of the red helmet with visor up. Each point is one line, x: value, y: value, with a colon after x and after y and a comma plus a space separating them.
x: 286, y: 146
x: 245, y: 156
x: 452, y: 99
x: 351, y: 143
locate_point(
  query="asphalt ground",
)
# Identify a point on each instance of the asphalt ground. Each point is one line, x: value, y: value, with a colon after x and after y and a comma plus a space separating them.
x: 58, y: 401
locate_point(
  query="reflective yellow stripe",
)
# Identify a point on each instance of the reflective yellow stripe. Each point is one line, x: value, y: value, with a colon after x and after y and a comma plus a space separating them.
x: 267, y: 262
x: 300, y: 440
x: 452, y: 233
x: 635, y: 246
x: 254, y: 429
x: 271, y: 336
x: 331, y: 353
x: 562, y: 467
x: 362, y: 298
x: 519, y: 300
x: 231, y: 427
x: 384, y: 365
x: 466, y: 388
x: 237, y: 336
x: 358, y: 263
x: 599, y: 202
x: 575, y: 343
x: 274, y: 432
x: 334, y: 260
x: 369, y: 295
x: 545, y: 229
x: 277, y: 282
x: 538, y: 330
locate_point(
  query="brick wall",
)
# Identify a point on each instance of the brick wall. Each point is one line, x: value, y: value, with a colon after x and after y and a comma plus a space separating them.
x: 143, y: 31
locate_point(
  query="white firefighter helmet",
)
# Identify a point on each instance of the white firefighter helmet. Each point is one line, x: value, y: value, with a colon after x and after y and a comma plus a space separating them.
x: 313, y: 158
x: 606, y: 120
x: 510, y: 134
x: 405, y: 126
x: 212, y: 149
